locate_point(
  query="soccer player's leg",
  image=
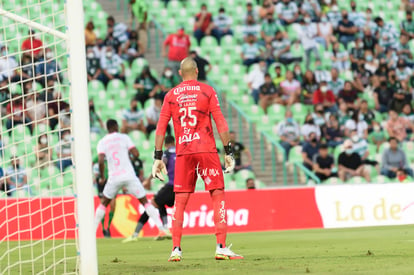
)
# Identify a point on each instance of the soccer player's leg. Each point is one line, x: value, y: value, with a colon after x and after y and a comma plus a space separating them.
x: 185, y: 177
x: 165, y: 196
x: 141, y: 222
x: 135, y: 188
x: 212, y: 175
x: 109, y: 192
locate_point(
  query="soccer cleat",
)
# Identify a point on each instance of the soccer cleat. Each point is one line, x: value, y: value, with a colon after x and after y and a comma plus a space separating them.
x: 106, y: 233
x: 176, y: 255
x: 163, y: 234
x: 131, y: 238
x: 226, y: 254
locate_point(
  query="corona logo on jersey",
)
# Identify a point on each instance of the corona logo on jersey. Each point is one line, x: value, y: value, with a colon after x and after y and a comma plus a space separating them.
x: 179, y: 90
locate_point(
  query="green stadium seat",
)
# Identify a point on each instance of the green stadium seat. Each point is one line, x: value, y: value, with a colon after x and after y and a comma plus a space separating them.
x: 277, y: 112
x: 265, y: 124
x: 208, y: 43
x: 333, y: 180
x: 243, y: 175
x: 299, y: 111
x: 255, y: 112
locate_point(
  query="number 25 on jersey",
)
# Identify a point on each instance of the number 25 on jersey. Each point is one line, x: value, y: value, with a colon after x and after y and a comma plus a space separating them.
x: 188, y: 112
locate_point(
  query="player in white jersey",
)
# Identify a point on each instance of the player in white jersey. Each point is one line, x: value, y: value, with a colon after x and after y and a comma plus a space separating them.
x: 116, y: 148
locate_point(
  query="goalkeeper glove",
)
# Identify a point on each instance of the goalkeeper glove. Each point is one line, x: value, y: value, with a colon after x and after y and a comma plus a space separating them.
x: 229, y: 162
x: 158, y: 167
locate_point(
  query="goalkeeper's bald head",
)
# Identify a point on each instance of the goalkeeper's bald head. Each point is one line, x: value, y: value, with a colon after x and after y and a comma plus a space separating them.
x: 188, y: 69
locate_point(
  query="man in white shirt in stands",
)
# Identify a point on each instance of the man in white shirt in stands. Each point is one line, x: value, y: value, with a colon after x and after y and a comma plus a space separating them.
x: 132, y: 118
x: 112, y: 66
x: 222, y: 25
x: 256, y: 79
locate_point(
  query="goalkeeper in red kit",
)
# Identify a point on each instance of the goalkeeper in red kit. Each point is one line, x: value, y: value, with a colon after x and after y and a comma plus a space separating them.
x: 190, y: 105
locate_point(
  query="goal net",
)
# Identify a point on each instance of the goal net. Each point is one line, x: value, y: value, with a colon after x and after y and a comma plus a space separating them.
x: 45, y: 173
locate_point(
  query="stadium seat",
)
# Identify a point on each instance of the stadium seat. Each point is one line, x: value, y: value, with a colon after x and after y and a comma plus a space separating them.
x: 277, y: 112
x: 208, y: 43
x: 295, y: 154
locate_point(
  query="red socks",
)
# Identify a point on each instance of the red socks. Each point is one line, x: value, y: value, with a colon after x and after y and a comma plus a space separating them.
x: 181, y: 200
x: 220, y: 215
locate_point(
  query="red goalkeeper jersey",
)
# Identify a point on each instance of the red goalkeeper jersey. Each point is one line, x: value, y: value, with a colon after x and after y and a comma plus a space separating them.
x: 191, y: 105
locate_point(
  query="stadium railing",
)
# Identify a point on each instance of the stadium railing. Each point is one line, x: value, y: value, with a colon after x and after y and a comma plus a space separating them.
x: 309, y: 175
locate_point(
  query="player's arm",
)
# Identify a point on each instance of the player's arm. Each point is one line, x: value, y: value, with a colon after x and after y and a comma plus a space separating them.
x: 223, y: 130
x: 101, y: 164
x: 159, y: 167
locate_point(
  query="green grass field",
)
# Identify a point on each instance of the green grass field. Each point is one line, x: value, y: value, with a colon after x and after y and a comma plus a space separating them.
x: 374, y: 250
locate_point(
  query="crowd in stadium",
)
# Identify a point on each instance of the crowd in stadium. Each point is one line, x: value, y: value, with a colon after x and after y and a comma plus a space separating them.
x: 348, y: 70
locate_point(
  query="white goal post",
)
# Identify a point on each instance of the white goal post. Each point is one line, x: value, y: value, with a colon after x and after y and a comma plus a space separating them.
x: 79, y: 117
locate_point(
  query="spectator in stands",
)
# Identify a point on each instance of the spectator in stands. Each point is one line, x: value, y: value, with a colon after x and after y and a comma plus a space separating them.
x: 268, y: 29
x: 93, y: 65
x: 367, y: 114
x: 250, y: 27
x: 325, y: 97
x: 290, y: 89
x: 35, y: 109
x: 279, y: 76
x: 90, y: 35
x: 27, y: 68
x: 32, y: 46
x: 335, y: 84
x: 403, y: 72
x: 3, y: 183
x: 325, y: 31
x: 266, y: 8
x: 312, y: 8
x: 346, y: 29
x: 339, y: 57
x: 308, y: 35
x: 407, y: 112
x: 401, y: 97
x: 324, y: 164
x: 202, y: 63
x: 112, y: 66
x: 309, y: 86
x: 251, y: 11
x: 95, y: 122
x: 357, y: 123
x: 403, y: 177
x: 63, y: 151
x: 396, y: 126
x: 222, y: 25
x: 407, y: 25
x: 43, y: 152
x: 48, y: 68
x: 289, y: 133
x: 132, y: 48
x: 48, y: 94
x: 251, y: 51
x: 334, y: 16
x: 63, y: 115
x: 319, y: 115
x: 309, y: 149
x: 238, y: 149
x: 386, y: 33
x: 178, y: 45
x: 348, y: 95
x: 15, y: 113
x: 393, y: 159
x: 133, y: 118
x: 382, y: 96
x: 139, y: 12
x: 4, y: 97
x: 356, y: 54
x: 350, y: 164
x: 377, y: 136
x: 153, y: 113
x: 146, y: 85
x: 168, y: 80
x: 332, y: 132
x: 269, y: 94
x: 354, y: 15
x: 203, y: 24
x: 404, y: 51
x: 309, y: 126
x: 320, y: 73
x: 16, y: 177
x: 250, y: 184
x: 297, y: 73
x: 280, y: 49
x: 360, y: 146
x: 55, y: 105
x: 112, y: 42
x: 287, y: 12
x: 8, y: 66
x: 370, y: 41
x: 255, y: 79
x: 118, y: 30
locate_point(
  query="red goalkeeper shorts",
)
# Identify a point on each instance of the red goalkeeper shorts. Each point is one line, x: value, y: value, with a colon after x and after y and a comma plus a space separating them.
x: 189, y: 167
